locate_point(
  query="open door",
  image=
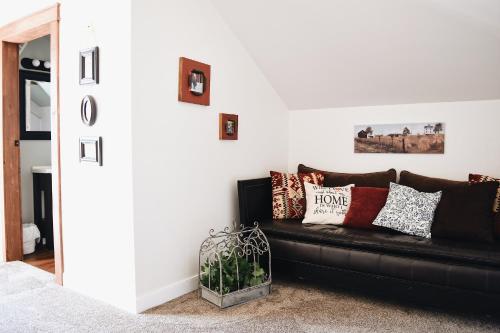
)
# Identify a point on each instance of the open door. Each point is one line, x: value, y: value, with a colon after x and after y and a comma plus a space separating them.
x: 11, y: 153
x: 44, y: 22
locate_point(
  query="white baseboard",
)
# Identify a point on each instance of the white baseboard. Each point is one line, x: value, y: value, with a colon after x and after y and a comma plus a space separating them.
x: 74, y: 284
x: 166, y: 293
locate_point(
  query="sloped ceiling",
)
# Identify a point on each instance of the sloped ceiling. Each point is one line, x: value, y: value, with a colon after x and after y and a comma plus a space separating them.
x: 335, y: 53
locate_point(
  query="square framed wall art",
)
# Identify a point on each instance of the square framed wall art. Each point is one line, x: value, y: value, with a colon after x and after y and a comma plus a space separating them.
x: 194, y: 82
x: 91, y: 150
x: 228, y: 126
x: 89, y: 66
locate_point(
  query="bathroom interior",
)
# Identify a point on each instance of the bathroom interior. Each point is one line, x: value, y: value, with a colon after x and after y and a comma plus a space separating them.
x: 35, y: 153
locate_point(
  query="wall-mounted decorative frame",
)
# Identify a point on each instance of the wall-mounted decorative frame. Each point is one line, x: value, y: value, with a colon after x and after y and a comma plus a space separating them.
x: 228, y: 126
x: 194, y: 82
x: 88, y: 110
x: 91, y: 150
x: 89, y: 66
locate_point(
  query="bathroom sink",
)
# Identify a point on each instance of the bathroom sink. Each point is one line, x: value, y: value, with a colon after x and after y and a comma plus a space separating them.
x: 41, y: 169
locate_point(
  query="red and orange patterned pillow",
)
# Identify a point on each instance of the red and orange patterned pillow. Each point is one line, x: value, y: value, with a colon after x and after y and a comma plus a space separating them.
x: 289, y: 199
x: 473, y: 178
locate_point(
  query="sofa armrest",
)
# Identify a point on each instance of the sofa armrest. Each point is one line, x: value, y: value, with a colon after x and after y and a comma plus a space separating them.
x: 255, y: 200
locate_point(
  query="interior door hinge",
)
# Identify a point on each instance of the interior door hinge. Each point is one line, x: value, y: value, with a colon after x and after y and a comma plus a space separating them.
x: 16, y: 143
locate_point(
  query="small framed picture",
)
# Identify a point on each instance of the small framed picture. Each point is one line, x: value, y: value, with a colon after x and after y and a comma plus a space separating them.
x: 91, y: 150
x: 194, y: 82
x: 228, y: 126
x: 89, y: 66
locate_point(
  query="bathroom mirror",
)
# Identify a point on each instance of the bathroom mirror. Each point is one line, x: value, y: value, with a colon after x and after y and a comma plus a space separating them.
x: 34, y: 105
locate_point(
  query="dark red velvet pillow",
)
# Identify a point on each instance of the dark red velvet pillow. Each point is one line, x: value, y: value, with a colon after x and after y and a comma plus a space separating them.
x: 366, y: 203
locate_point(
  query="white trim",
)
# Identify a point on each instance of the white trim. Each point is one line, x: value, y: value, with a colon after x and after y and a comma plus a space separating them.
x: 166, y: 293
x: 73, y: 282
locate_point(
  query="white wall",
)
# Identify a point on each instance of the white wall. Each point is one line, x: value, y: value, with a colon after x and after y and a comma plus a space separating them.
x: 33, y: 152
x: 97, y: 205
x: 97, y: 201
x: 184, y: 177
x: 324, y: 139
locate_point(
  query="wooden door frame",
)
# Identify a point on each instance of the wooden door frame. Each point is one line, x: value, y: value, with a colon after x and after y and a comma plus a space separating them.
x: 42, y: 23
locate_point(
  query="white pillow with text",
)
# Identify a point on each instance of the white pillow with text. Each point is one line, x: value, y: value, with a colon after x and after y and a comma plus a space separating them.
x: 327, y: 205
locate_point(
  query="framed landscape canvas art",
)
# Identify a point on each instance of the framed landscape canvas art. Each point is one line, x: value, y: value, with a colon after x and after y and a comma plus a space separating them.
x: 411, y: 138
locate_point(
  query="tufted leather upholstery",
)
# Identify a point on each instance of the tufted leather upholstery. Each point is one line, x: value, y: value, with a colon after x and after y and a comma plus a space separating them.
x: 387, y: 254
x: 385, y: 241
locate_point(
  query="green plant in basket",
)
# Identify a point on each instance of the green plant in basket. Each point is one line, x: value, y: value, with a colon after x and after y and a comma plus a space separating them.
x: 250, y: 274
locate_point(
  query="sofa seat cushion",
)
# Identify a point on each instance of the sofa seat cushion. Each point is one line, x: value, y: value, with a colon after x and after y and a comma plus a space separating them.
x: 421, y: 270
x: 385, y: 241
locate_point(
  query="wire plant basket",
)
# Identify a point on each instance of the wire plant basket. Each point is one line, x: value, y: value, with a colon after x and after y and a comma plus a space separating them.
x: 235, y: 266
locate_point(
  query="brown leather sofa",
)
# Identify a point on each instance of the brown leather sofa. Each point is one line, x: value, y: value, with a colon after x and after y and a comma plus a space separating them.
x: 436, y: 272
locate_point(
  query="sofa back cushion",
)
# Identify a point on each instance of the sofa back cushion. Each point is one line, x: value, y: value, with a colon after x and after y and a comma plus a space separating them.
x: 448, y: 212
x: 427, y: 184
x: 475, y: 178
x: 372, y: 179
x: 464, y: 213
x: 366, y: 203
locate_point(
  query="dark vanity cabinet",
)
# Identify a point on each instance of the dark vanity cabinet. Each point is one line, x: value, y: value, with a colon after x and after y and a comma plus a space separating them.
x: 42, y: 204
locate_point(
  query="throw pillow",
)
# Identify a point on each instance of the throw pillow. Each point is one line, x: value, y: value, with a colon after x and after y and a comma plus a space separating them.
x: 372, y: 179
x: 366, y: 203
x: 473, y: 178
x: 464, y: 213
x: 408, y: 210
x: 327, y: 205
x: 289, y: 200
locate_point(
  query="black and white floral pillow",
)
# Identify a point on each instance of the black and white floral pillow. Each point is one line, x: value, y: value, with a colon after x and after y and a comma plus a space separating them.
x: 408, y: 210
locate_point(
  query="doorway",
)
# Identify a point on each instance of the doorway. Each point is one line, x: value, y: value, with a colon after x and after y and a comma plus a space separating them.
x: 35, y: 153
x: 27, y: 99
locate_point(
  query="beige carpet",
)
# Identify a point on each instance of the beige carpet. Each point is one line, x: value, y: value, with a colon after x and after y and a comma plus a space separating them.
x: 31, y: 302
x: 298, y: 308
